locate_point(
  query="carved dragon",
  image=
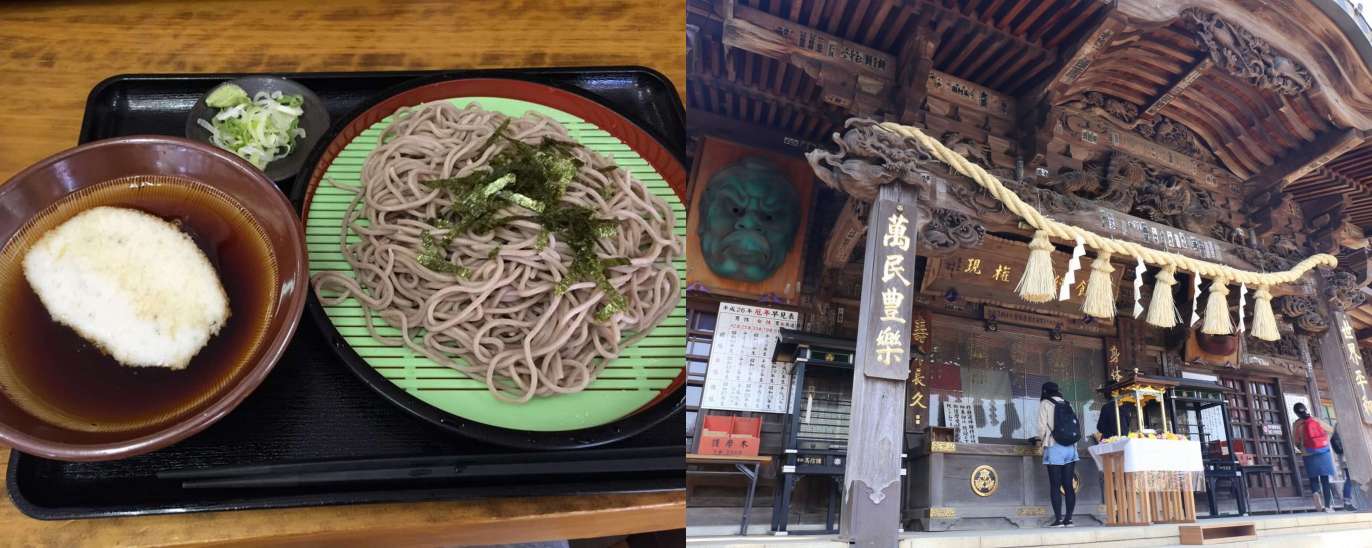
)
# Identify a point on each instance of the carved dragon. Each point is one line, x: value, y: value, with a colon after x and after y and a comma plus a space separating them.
x: 1246, y: 56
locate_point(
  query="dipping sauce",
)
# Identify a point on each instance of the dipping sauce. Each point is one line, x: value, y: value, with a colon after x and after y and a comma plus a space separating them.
x: 54, y: 374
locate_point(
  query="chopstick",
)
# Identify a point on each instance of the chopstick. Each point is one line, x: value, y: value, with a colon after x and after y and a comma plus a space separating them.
x: 485, y: 467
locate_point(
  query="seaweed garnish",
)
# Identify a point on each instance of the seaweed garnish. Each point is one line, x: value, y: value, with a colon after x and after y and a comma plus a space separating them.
x: 534, y: 177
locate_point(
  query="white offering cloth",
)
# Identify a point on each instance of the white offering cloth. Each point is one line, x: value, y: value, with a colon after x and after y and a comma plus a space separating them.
x: 1145, y: 455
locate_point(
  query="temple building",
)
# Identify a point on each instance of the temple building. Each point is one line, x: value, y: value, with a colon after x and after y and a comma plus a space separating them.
x: 1225, y: 131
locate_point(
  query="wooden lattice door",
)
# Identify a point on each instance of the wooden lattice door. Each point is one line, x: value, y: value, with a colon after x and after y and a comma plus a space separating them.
x: 1259, y: 419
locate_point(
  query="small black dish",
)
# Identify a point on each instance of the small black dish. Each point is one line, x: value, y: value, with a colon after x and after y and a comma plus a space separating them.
x: 315, y: 120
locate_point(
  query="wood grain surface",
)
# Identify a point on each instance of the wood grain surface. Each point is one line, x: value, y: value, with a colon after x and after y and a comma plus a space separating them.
x: 52, y: 54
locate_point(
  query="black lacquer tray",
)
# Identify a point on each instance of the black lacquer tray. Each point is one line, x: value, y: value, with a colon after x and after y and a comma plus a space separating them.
x: 311, y: 406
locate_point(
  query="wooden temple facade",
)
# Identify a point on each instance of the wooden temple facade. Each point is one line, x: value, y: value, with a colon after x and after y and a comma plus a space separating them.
x: 1230, y: 130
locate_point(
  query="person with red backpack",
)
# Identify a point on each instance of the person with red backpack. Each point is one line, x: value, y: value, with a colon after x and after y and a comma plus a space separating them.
x: 1312, y: 441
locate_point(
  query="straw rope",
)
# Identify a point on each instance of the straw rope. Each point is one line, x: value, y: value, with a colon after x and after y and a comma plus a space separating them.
x: 1066, y: 231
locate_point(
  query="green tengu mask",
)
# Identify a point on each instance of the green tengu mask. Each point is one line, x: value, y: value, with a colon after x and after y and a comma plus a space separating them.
x: 749, y: 215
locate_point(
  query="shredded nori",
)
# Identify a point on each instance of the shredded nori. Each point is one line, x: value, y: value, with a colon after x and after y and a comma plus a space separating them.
x: 534, y: 177
x: 432, y: 255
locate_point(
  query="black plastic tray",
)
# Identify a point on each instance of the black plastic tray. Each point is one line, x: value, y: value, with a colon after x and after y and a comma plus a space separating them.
x: 311, y: 406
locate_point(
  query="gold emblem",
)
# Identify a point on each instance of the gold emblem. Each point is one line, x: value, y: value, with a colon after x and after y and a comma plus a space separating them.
x: 984, y: 480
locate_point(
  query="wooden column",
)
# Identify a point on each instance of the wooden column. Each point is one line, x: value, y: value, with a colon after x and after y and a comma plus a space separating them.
x: 871, y: 494
x: 1348, y: 387
x: 1312, y: 386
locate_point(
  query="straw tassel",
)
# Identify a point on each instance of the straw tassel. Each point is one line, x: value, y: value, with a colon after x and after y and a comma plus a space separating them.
x: 1217, y: 310
x: 1162, y: 312
x: 1100, y: 297
x: 1036, y: 286
x: 1264, y: 322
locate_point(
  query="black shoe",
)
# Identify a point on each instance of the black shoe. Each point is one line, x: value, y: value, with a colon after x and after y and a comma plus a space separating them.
x: 1056, y: 523
x: 1067, y: 523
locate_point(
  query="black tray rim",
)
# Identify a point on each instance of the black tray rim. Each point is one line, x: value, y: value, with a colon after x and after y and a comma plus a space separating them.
x: 618, y: 430
x: 333, y: 498
x: 88, y: 124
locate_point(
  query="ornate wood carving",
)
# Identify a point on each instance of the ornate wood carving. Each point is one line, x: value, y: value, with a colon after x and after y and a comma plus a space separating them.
x: 1246, y: 56
x: 1302, y: 310
x: 949, y: 230
x: 975, y: 152
x: 1284, y: 347
x: 1342, y: 290
x: 1076, y: 127
x: 1158, y: 129
x: 1123, y: 196
x: 868, y: 158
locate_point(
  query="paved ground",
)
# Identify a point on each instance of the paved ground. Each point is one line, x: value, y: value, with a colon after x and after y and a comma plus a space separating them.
x: 1339, y: 529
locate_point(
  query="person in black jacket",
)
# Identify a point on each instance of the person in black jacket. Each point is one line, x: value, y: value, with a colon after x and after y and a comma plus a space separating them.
x: 1336, y: 443
x: 1105, y: 423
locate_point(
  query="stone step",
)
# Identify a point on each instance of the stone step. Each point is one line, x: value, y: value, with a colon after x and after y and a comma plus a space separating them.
x: 1346, y: 530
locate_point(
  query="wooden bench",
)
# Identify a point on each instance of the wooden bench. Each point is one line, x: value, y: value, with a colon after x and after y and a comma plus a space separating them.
x: 1217, y: 533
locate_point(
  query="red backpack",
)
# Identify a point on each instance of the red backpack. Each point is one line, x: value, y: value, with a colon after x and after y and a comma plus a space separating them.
x: 1313, y: 435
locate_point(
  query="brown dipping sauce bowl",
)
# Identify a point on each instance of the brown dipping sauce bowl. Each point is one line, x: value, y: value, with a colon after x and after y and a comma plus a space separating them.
x: 61, y: 397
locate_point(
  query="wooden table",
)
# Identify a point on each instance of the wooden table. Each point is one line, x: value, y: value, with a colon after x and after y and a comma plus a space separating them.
x: 52, y: 54
x: 748, y: 466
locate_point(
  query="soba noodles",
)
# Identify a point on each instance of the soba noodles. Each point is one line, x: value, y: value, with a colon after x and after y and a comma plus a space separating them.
x: 484, y: 273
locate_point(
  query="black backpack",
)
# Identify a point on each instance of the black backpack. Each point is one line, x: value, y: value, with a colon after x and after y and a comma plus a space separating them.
x: 1066, y: 431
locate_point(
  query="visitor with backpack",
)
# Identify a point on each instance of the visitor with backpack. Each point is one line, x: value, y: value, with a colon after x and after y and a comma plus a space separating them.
x: 1312, y: 440
x: 1336, y: 444
x: 1059, y: 431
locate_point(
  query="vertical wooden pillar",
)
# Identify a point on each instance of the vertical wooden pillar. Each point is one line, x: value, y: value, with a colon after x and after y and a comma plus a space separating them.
x: 1348, y: 388
x: 871, y: 495
x: 1312, y: 387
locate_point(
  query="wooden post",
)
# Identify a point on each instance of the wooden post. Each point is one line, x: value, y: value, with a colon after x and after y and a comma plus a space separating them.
x: 1312, y: 387
x: 871, y: 495
x: 1348, y: 387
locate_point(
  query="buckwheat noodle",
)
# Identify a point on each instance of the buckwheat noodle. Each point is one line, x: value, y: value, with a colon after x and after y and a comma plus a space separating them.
x: 504, y: 323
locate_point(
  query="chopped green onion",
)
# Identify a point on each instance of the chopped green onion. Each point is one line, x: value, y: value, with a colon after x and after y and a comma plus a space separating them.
x: 261, y: 129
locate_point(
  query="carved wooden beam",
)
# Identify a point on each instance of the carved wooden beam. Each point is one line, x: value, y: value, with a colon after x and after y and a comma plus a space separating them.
x: 768, y: 96
x: 851, y: 75
x: 1324, y: 219
x: 1074, y: 60
x: 1292, y: 166
x: 709, y: 123
x: 849, y: 230
x: 1177, y: 88
x: 1330, y: 183
x: 915, y: 63
x: 869, y: 157
x: 977, y: 25
x: 1079, y: 128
